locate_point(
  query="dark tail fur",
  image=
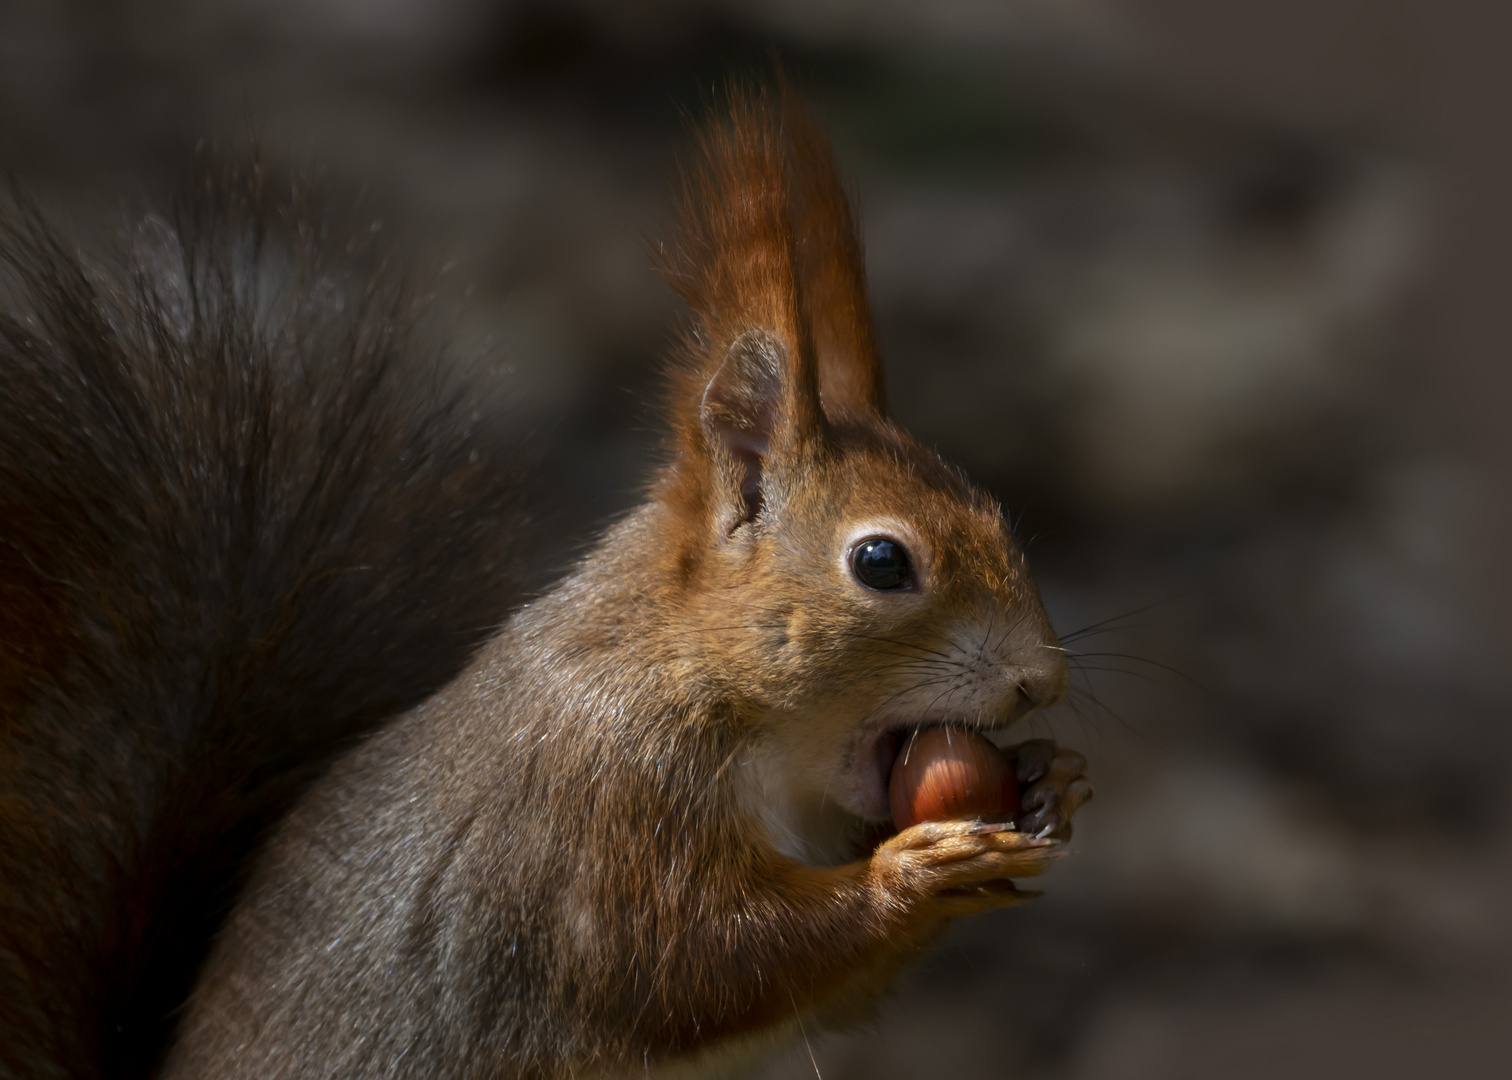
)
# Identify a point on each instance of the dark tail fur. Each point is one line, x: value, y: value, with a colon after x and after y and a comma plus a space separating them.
x: 244, y: 517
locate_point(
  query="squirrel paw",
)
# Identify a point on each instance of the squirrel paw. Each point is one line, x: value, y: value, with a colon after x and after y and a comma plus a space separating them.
x: 947, y: 868
x: 1052, y: 784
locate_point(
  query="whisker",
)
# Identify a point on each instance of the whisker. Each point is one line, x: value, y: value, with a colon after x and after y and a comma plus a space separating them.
x: 1091, y: 698
x: 907, y: 750
x: 1009, y: 629
x: 1115, y: 671
x: 799, y: 1016
x: 1106, y: 625
x: 1075, y: 656
x: 939, y: 666
x: 901, y: 644
x: 987, y: 634
x: 1081, y: 719
x: 910, y: 689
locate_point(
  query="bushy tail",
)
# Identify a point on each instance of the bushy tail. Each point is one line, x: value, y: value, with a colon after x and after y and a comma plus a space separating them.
x: 245, y: 515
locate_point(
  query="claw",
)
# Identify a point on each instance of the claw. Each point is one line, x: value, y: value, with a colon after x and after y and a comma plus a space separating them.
x: 1052, y: 787
x: 987, y: 828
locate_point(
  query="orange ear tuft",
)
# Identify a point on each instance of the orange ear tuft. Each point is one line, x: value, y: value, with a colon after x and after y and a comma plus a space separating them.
x: 737, y: 262
x: 832, y: 271
x: 768, y: 245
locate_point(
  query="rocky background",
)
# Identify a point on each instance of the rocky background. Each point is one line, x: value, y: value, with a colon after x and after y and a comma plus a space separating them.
x: 1209, y: 293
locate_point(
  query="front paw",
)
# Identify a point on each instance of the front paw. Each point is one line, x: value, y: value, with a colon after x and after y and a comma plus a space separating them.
x: 948, y: 868
x: 1052, y: 785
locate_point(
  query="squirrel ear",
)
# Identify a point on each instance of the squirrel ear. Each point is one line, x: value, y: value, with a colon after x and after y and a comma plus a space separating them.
x: 741, y: 410
x: 833, y: 271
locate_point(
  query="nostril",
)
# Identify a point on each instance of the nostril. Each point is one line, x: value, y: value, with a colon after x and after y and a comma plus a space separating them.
x: 1046, y: 682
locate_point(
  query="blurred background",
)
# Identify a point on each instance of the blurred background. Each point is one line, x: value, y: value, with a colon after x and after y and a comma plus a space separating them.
x: 1211, y: 294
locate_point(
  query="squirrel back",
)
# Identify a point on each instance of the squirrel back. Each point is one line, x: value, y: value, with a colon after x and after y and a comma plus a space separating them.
x: 246, y: 514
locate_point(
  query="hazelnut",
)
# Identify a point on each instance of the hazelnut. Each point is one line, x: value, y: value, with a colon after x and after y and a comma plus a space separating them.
x: 948, y: 773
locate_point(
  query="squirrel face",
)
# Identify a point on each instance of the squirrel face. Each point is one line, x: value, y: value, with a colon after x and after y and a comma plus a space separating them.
x: 851, y: 589
x: 961, y: 640
x: 837, y: 585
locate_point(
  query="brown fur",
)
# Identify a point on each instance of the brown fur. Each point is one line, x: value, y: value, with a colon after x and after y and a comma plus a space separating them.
x: 243, y: 520
x: 642, y: 830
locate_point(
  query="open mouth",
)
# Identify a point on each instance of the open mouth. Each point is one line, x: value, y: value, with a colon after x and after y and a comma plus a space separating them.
x: 895, y: 747
x: 889, y: 746
x: 886, y: 738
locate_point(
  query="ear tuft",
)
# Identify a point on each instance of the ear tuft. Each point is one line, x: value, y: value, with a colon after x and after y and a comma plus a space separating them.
x: 782, y: 344
x: 832, y: 271
x: 740, y: 411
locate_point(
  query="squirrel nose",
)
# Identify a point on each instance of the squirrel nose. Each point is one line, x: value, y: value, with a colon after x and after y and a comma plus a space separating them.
x: 1044, y: 675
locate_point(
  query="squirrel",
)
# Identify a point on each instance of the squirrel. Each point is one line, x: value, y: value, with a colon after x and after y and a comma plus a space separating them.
x: 288, y: 789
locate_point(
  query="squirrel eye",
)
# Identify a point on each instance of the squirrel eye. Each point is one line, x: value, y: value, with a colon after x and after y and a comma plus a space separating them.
x: 881, y: 563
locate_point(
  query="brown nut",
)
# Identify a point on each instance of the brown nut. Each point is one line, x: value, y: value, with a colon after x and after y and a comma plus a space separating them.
x: 945, y: 773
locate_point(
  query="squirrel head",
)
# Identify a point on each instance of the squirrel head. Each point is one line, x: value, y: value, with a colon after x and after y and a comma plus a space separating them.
x: 833, y: 581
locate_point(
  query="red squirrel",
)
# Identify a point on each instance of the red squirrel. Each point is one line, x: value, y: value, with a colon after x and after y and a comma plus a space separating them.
x: 643, y: 829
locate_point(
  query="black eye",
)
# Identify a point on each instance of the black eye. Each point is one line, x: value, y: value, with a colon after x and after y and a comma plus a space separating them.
x: 881, y: 564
